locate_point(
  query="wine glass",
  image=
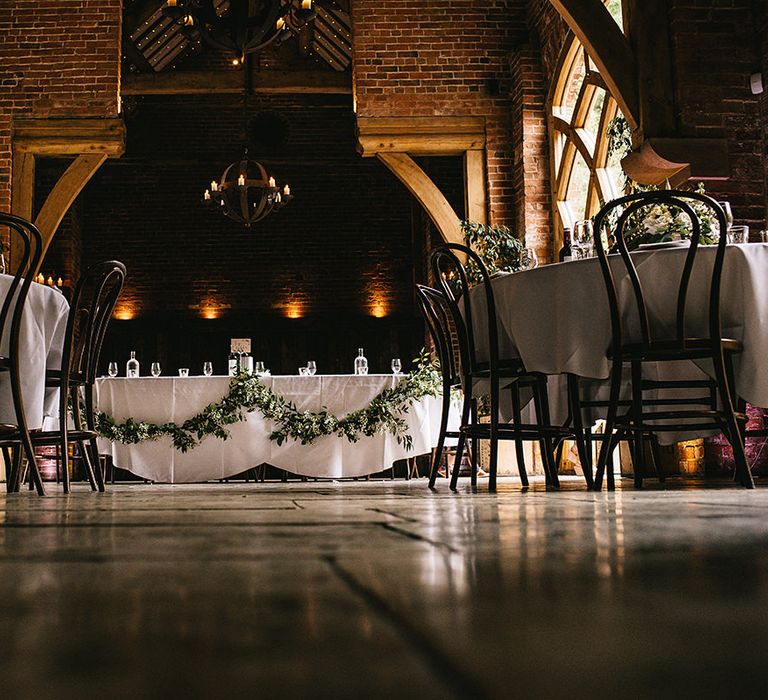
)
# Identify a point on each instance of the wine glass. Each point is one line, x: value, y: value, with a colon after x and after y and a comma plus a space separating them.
x: 311, y: 368
x: 207, y: 369
x: 112, y: 369
x: 155, y: 369
x: 583, y: 239
x: 303, y: 372
x: 258, y: 368
x: 396, y: 366
x: 530, y: 259
x: 183, y: 371
x: 726, y: 207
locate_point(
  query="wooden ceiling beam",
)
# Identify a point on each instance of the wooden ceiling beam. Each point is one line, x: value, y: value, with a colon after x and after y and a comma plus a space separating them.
x: 67, y: 137
x: 420, y: 135
x: 230, y: 82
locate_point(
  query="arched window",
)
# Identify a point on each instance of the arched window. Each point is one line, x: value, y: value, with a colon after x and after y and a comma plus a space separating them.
x: 581, y: 109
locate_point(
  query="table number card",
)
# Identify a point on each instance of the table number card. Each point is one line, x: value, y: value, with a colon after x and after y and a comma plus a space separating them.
x: 240, y: 345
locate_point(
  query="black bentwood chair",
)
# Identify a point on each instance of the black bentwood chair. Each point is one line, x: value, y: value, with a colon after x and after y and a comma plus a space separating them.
x: 12, y: 309
x: 93, y: 301
x: 436, y: 314
x: 467, y: 317
x: 715, y: 410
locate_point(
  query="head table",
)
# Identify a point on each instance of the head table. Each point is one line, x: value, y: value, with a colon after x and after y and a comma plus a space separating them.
x: 164, y: 399
x: 556, y: 319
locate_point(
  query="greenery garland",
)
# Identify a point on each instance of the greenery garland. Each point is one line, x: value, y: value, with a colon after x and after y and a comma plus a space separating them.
x: 247, y: 393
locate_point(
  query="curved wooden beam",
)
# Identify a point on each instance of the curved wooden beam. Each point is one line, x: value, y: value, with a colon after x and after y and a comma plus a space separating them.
x: 428, y: 194
x: 610, y: 50
x: 64, y: 193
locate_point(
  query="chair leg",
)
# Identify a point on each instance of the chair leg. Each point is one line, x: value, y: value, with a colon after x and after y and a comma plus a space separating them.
x: 574, y: 402
x: 542, y: 414
x: 100, y: 477
x: 519, y: 447
x: 637, y: 422
x: 610, y: 421
x: 90, y: 467
x: 466, y: 408
x: 735, y: 435
x: 473, y: 447
x: 438, y: 453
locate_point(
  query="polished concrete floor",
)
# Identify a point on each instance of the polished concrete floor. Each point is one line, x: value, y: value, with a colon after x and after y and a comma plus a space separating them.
x: 383, y: 589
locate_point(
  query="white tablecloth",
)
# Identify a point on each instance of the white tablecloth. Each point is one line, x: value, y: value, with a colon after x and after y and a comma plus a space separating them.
x: 556, y: 317
x: 41, y: 342
x: 164, y: 399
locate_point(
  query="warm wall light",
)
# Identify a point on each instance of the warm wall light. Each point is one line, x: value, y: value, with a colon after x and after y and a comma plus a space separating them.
x: 378, y: 310
x: 125, y: 311
x: 294, y: 310
x: 378, y: 305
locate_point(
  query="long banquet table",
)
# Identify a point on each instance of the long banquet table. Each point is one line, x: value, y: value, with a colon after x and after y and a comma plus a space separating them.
x: 177, y: 399
x: 41, y: 341
x: 555, y: 318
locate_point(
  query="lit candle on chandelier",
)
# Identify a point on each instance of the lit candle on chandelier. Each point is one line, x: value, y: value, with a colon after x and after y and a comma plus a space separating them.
x: 59, y: 282
x: 280, y: 23
x: 286, y: 190
x: 49, y: 281
x: 207, y: 196
x: 40, y: 279
x: 271, y: 181
x: 241, y: 180
x: 278, y: 198
x: 306, y: 4
x: 171, y: 3
x: 214, y: 186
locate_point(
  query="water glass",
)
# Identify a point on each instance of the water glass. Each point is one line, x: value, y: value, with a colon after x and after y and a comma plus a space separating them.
x: 582, y: 245
x: 207, y: 369
x: 258, y: 368
x: 738, y: 234
x: 184, y: 371
x: 311, y: 368
x: 763, y: 236
x: 397, y: 366
x: 112, y: 369
x: 303, y: 371
x: 155, y: 369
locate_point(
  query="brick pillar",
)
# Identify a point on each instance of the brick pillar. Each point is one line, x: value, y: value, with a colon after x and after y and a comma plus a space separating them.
x: 531, y: 152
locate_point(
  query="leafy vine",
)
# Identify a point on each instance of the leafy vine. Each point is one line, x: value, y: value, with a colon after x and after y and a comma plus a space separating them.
x: 247, y: 393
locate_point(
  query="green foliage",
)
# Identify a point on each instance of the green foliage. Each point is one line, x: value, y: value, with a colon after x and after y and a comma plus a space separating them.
x: 497, y: 247
x: 247, y: 394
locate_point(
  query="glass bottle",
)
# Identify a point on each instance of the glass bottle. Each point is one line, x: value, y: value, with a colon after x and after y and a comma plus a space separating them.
x: 234, y: 364
x: 565, y: 251
x: 361, y: 364
x: 132, y: 366
x: 246, y: 363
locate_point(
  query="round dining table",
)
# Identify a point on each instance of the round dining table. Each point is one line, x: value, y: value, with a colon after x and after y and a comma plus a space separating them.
x: 41, y: 343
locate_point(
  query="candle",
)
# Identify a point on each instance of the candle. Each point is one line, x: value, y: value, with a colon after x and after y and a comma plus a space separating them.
x: 207, y: 196
x: 40, y: 279
x: 278, y: 198
x: 50, y: 281
x: 271, y: 181
x: 171, y: 3
x: 280, y: 23
x: 286, y: 190
x: 59, y: 282
x: 241, y: 180
x: 214, y: 186
x: 306, y: 4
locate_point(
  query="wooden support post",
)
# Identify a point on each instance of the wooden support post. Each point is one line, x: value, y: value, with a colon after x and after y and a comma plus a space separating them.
x: 426, y: 192
x: 475, y: 198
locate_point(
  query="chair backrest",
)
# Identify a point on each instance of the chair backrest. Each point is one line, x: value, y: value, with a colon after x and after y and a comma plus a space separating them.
x: 29, y: 260
x: 434, y: 307
x: 631, y: 207
x: 93, y: 301
x: 448, y: 269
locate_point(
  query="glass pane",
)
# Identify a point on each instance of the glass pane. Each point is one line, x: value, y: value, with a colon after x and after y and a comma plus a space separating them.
x: 595, y: 112
x: 614, y: 168
x: 575, y: 79
x: 578, y: 186
x: 614, y: 7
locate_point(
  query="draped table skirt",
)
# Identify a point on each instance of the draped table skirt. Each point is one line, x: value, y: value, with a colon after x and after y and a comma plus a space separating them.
x: 165, y: 399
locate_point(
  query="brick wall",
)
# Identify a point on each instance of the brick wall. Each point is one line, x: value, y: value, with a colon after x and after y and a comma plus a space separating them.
x: 715, y: 48
x: 57, y: 58
x: 428, y: 57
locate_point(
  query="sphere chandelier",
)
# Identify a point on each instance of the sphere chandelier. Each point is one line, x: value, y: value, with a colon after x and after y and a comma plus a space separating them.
x: 240, y: 27
x: 246, y: 193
